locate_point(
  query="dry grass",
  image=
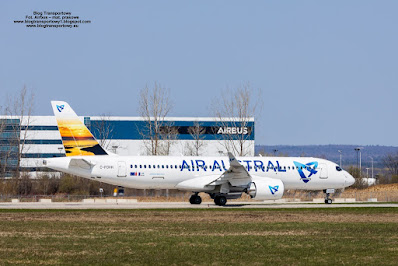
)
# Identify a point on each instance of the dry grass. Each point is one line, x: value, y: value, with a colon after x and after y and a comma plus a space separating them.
x: 377, y: 188
x: 218, y: 237
x: 180, y: 216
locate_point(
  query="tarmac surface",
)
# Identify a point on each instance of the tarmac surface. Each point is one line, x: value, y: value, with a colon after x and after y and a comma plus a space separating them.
x: 182, y: 205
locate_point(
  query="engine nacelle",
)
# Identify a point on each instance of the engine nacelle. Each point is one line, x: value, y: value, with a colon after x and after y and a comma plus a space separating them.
x: 266, y: 189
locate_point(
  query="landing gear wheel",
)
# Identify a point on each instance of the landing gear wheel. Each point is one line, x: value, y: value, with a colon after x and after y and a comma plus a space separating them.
x: 328, y: 201
x: 217, y: 200
x: 220, y: 200
x: 198, y: 200
x: 195, y: 199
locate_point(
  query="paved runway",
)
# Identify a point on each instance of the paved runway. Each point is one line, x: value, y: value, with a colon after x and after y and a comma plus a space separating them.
x: 181, y: 205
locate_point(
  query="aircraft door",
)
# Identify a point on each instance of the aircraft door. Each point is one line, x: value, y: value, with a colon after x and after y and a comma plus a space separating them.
x: 121, y: 169
x: 324, y: 171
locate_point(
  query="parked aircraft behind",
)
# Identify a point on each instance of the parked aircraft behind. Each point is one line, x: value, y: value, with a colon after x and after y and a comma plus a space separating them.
x: 263, y: 178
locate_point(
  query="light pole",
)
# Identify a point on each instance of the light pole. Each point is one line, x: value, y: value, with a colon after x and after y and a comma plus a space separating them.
x: 275, y: 151
x: 367, y: 172
x: 340, y: 158
x: 372, y: 164
x: 359, y: 159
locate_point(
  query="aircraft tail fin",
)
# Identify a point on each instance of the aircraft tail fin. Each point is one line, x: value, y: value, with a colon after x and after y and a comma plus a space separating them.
x: 76, y: 137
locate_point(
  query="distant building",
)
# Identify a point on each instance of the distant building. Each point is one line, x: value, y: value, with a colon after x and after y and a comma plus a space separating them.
x: 120, y: 135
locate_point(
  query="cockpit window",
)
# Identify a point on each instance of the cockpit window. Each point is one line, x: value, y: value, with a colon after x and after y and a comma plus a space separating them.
x: 338, y: 168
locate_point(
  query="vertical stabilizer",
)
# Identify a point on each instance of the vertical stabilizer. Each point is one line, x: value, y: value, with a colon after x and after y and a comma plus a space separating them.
x: 76, y: 137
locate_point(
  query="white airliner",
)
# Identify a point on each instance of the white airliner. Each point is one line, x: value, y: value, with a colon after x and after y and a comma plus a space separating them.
x: 263, y: 178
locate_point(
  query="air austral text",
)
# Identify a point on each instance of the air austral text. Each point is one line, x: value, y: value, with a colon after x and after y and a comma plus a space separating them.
x: 52, y: 19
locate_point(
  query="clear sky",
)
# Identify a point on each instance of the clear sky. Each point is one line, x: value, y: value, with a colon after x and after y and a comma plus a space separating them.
x: 328, y: 70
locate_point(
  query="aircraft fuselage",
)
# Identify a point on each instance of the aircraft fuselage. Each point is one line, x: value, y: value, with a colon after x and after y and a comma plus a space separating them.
x: 151, y: 172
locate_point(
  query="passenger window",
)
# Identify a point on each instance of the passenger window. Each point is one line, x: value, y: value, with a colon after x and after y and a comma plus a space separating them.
x: 158, y: 166
x: 144, y: 165
x: 162, y: 166
x: 167, y: 166
x: 135, y: 166
x: 149, y: 166
x: 131, y: 166
x: 140, y: 166
x: 171, y: 166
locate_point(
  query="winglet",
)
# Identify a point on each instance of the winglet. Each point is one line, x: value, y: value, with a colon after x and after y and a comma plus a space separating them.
x: 232, y: 160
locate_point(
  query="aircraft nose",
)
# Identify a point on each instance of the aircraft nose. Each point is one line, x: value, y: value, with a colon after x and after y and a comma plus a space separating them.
x: 349, y: 179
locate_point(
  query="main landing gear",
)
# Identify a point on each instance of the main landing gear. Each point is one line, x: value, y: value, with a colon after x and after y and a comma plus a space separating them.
x: 195, y: 199
x: 219, y: 200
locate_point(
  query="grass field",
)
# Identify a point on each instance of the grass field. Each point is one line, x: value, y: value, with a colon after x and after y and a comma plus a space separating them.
x: 219, y: 237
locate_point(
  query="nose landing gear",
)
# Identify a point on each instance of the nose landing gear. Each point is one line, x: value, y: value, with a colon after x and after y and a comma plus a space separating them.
x: 327, y: 200
x: 327, y: 194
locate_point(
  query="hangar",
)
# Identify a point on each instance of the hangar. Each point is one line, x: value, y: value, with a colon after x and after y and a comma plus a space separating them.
x: 30, y: 139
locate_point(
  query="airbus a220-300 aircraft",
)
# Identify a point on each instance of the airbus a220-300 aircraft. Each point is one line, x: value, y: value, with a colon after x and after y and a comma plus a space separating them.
x: 222, y: 178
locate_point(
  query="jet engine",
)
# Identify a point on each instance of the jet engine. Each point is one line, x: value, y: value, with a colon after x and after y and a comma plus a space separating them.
x: 266, y: 189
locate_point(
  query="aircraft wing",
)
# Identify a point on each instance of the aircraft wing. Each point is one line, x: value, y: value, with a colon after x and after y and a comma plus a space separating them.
x: 236, y: 174
x: 236, y: 168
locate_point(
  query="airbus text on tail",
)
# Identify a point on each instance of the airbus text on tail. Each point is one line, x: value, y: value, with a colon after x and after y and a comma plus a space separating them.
x: 76, y: 137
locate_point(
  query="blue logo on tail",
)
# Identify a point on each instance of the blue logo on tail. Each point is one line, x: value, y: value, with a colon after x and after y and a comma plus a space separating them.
x: 60, y: 108
x: 309, y: 167
x: 273, y: 189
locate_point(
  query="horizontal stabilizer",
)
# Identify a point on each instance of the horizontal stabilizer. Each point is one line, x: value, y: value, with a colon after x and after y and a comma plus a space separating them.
x: 81, y: 163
